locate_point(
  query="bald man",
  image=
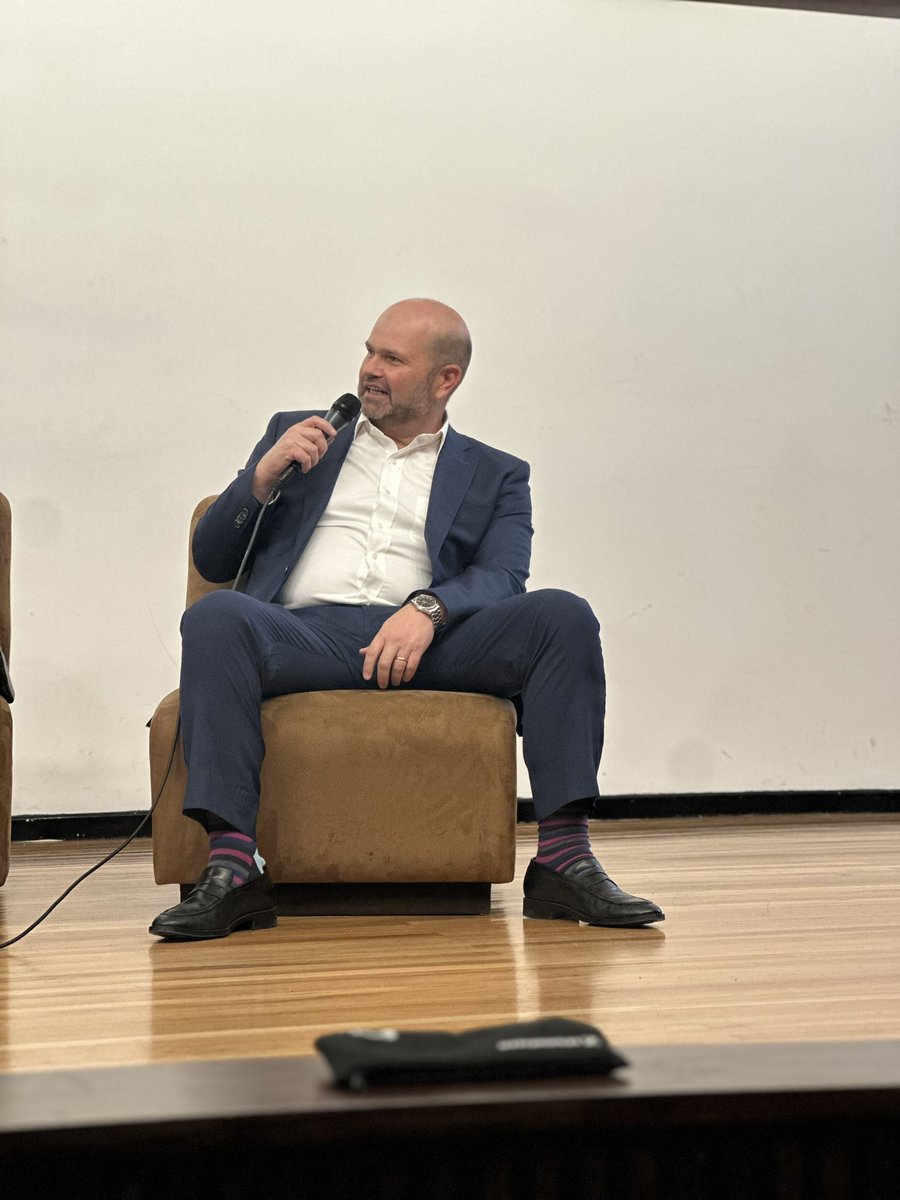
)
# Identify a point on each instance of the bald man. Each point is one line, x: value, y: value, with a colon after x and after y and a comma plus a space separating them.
x: 395, y: 557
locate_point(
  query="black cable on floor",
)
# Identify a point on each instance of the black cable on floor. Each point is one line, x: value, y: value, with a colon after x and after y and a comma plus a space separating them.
x: 112, y: 853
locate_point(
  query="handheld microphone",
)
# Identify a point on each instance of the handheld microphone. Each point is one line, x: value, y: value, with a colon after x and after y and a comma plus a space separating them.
x: 340, y: 414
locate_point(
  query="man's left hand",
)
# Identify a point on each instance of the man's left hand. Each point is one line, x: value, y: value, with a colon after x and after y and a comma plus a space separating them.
x: 396, y: 650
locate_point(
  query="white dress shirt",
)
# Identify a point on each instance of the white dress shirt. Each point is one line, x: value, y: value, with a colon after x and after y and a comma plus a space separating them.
x: 369, y: 544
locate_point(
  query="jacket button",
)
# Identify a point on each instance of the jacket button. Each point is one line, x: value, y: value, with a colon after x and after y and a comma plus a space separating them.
x: 241, y: 518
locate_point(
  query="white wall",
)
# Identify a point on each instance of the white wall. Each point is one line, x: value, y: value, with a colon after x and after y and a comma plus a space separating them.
x: 673, y: 231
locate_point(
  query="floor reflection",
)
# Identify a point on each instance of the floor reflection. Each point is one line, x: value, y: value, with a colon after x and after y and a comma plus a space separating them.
x: 587, y: 973
x: 274, y: 992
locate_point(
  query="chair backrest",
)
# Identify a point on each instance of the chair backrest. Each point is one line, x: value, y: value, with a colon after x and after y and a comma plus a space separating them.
x: 5, y: 557
x: 197, y: 586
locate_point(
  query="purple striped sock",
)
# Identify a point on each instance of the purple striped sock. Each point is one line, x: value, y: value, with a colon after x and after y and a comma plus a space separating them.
x: 228, y: 848
x: 563, y: 838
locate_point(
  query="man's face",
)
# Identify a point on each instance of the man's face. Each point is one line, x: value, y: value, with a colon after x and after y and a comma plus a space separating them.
x: 397, y: 375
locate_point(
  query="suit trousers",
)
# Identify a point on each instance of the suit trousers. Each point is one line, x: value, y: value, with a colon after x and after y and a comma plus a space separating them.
x: 539, y: 649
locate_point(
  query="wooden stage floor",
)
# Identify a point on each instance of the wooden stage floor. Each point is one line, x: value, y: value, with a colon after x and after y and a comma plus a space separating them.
x: 760, y: 1022
x: 779, y: 929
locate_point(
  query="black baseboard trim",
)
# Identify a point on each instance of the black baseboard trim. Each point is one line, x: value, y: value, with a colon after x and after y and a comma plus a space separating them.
x: 74, y: 827
x: 67, y: 827
x: 735, y: 804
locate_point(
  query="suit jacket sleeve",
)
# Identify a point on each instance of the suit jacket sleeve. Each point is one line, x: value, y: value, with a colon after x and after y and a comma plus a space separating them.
x: 223, y: 532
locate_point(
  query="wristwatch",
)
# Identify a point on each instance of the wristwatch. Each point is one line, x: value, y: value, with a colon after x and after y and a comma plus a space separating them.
x: 430, y: 606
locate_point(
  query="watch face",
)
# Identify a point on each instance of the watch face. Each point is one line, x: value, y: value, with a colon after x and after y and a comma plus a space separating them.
x: 430, y: 606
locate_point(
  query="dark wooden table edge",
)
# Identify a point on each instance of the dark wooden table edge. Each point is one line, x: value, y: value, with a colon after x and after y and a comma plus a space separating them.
x: 294, y: 1098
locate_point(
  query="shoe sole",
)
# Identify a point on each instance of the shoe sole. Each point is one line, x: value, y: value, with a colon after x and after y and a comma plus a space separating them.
x: 546, y: 910
x: 267, y: 919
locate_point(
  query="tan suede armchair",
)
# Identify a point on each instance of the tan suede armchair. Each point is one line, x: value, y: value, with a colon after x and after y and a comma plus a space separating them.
x: 371, y: 802
x: 5, y: 714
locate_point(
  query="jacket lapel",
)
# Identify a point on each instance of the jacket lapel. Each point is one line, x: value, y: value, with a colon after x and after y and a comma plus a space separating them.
x: 316, y: 487
x: 452, y: 477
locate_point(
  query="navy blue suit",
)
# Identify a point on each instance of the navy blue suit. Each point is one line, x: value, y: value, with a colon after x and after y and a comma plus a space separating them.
x: 540, y: 649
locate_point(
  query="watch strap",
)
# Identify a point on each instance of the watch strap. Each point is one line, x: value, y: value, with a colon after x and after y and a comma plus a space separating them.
x: 428, y: 603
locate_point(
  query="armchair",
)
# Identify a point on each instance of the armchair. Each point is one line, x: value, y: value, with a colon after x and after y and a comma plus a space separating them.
x: 345, y: 824
x: 5, y: 714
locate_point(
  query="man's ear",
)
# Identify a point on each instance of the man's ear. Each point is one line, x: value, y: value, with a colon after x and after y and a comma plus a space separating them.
x: 448, y: 381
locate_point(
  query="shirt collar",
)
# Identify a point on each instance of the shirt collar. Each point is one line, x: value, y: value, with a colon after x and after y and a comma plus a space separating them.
x: 423, y: 439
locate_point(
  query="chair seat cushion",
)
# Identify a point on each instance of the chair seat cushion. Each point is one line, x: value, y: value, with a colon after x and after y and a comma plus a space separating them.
x: 364, y: 787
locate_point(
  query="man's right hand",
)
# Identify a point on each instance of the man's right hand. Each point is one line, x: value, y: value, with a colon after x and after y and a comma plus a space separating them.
x: 304, y: 444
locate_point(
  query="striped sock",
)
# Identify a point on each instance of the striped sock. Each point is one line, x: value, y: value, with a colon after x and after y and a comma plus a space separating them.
x: 228, y: 848
x: 563, y: 836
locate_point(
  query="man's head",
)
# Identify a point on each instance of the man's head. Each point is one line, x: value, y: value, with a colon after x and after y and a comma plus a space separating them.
x: 416, y: 357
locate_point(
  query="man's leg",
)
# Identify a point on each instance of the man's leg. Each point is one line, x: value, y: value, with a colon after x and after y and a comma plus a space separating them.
x: 236, y: 651
x: 542, y: 649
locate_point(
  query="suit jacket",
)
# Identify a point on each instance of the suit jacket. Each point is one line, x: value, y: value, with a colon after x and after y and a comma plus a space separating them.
x: 477, y: 530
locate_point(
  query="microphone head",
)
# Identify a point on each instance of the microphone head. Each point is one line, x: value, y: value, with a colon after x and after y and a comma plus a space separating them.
x: 343, y: 410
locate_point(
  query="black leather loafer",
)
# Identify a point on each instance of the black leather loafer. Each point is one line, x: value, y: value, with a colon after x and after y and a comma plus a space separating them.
x: 216, y: 908
x: 583, y: 892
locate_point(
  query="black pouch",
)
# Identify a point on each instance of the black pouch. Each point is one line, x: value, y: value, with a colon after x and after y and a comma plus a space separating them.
x: 549, y: 1047
x: 6, y: 687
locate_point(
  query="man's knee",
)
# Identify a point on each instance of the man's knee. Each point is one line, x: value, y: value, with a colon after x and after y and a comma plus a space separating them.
x: 214, y: 614
x: 563, y: 612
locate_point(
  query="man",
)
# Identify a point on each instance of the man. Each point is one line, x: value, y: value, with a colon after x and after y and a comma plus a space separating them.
x: 396, y: 557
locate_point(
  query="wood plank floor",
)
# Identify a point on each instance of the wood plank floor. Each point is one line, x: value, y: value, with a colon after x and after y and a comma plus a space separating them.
x: 779, y: 929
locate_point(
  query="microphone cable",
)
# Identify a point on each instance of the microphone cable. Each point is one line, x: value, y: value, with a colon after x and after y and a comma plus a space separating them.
x: 340, y: 414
